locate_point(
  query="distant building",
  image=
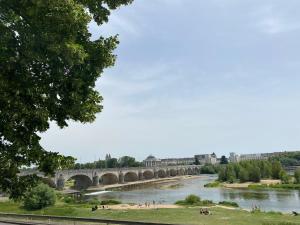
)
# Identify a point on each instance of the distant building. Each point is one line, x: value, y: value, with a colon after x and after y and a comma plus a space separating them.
x: 151, y: 161
x: 177, y: 161
x: 233, y: 157
x: 207, y: 158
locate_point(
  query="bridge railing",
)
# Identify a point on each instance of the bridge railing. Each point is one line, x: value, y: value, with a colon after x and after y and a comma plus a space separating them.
x: 47, y: 219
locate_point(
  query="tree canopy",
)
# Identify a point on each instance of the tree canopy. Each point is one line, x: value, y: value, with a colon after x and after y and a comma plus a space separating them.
x: 48, y: 69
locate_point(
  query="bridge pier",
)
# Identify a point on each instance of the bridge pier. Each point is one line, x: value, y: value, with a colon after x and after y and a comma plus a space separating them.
x: 141, y: 177
x: 155, y: 174
x: 121, y: 178
x: 60, y: 182
x: 167, y: 172
x: 96, y: 180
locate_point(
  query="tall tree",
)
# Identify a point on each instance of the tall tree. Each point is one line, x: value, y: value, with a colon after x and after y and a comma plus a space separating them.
x: 48, y: 69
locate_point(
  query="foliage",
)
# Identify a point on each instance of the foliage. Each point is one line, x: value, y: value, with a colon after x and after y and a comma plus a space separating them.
x: 276, y: 169
x: 285, y: 179
x: 48, y: 68
x: 110, y: 202
x: 209, y: 169
x: 228, y: 203
x: 39, y: 197
x: 288, y: 158
x: 194, y: 200
x: 297, y: 176
x: 224, y: 160
x: 212, y: 184
x: 125, y: 161
x: 252, y: 170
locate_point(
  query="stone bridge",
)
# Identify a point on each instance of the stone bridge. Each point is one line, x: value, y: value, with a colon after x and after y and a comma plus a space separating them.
x: 85, y: 178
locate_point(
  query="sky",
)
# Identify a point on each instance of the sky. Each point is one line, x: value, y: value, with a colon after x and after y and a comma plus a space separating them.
x: 194, y: 77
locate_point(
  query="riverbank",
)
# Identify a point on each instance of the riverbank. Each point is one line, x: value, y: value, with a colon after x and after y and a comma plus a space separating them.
x: 177, y: 215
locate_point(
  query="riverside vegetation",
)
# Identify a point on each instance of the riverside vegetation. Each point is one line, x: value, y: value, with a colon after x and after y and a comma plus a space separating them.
x: 254, y: 171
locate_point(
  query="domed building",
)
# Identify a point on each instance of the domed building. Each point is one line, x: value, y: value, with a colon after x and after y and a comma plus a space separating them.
x: 151, y: 161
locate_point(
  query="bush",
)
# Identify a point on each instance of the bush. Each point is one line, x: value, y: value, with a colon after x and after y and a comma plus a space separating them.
x: 297, y: 176
x: 69, y: 199
x: 227, y: 203
x: 39, y: 197
x: 192, y: 199
x: 110, y: 202
x: 95, y: 201
x: 212, y: 185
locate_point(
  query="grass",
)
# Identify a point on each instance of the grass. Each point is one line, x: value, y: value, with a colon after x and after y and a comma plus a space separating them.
x: 227, y: 203
x: 275, y: 186
x: 185, y: 215
x: 213, y: 184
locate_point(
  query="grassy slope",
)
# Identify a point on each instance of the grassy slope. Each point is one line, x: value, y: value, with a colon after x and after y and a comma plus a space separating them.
x: 179, y: 216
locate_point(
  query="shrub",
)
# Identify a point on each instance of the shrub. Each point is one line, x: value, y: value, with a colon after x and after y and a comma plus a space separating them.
x: 192, y: 199
x: 227, y: 203
x: 39, y: 197
x: 110, y: 202
x: 95, y: 201
x: 69, y: 199
x: 297, y: 176
x: 213, y: 184
x: 206, y: 202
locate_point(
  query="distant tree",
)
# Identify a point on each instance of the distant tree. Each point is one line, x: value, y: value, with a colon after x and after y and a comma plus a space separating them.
x: 197, y: 162
x: 230, y: 173
x: 276, y: 168
x: 297, y: 176
x: 224, y: 160
x: 285, y: 179
x: 222, y: 174
x: 243, y: 175
x: 112, y: 163
x: 127, y: 161
x: 254, y: 174
x: 39, y: 197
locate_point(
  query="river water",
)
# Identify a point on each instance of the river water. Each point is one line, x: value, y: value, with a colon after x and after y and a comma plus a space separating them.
x: 267, y: 200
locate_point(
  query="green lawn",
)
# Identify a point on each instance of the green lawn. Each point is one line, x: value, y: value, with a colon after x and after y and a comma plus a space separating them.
x: 179, y: 216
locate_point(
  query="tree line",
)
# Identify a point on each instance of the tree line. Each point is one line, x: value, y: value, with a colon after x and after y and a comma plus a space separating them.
x: 124, y: 161
x: 253, y: 170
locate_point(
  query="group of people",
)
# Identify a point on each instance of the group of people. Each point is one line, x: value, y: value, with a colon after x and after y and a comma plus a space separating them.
x: 96, y: 207
x: 204, y: 211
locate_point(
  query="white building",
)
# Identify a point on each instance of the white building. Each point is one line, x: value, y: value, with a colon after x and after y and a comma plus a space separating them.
x: 151, y: 161
x: 233, y: 157
x: 207, y: 158
x: 177, y: 161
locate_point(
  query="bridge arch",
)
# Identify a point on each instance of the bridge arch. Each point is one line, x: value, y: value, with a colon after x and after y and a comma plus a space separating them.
x: 173, y: 172
x: 131, y: 177
x: 190, y: 171
x: 162, y: 173
x: 148, y: 174
x: 81, y: 181
x: 109, y: 178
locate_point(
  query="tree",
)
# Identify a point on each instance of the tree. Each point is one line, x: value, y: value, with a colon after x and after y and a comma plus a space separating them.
x: 243, y: 175
x: 276, y: 168
x: 297, y: 176
x: 285, y: 179
x: 230, y: 173
x: 39, y: 197
x: 112, y: 163
x: 197, y: 162
x: 48, y: 69
x: 224, y: 160
x: 254, y: 174
x: 127, y: 161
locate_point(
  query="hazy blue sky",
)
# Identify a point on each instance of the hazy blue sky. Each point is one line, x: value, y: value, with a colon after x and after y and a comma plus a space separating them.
x: 195, y: 77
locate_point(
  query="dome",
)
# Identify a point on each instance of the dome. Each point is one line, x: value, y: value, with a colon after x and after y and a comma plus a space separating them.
x: 151, y: 157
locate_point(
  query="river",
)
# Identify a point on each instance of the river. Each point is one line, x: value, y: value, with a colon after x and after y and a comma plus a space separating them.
x: 267, y: 200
